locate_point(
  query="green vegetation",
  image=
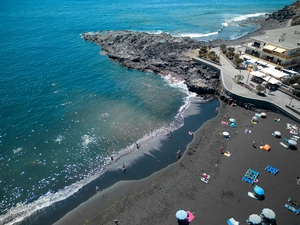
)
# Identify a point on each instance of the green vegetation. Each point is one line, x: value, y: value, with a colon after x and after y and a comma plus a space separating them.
x: 295, y: 83
x: 205, y: 52
x: 260, y: 88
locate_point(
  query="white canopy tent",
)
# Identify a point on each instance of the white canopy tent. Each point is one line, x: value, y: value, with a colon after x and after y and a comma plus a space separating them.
x: 271, y: 80
x: 261, y: 62
x: 274, y: 73
x: 257, y: 74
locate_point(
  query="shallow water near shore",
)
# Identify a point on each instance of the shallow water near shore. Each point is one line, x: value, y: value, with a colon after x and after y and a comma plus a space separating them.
x: 65, y: 109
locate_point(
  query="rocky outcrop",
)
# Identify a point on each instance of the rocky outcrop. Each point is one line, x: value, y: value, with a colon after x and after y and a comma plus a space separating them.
x: 159, y: 53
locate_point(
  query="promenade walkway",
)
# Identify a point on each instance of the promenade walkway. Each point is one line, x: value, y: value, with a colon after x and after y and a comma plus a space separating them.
x: 277, y: 99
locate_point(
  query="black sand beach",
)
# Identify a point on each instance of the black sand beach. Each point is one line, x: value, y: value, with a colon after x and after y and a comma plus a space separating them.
x: 156, y: 199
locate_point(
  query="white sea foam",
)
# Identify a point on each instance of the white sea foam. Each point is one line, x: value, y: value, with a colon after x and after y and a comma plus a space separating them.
x: 21, y: 211
x: 197, y: 35
x: 245, y: 17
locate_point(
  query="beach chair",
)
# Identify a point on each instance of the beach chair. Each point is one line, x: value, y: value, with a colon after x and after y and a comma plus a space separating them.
x: 284, y: 145
x: 271, y: 169
x: 294, y: 136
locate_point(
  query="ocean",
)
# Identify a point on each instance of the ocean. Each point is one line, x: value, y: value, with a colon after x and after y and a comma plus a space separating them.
x: 66, y: 109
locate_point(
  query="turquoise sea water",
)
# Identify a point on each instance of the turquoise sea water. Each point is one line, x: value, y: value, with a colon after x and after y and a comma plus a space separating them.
x: 65, y: 108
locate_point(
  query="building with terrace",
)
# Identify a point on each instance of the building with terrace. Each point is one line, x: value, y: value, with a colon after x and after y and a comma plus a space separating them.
x: 278, y: 48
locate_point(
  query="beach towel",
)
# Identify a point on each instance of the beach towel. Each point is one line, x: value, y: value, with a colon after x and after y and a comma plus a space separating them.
x: 190, y: 216
x: 284, y: 145
x: 224, y: 122
x: 265, y: 147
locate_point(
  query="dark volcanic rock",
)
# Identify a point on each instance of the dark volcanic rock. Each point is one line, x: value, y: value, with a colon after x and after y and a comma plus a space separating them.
x: 159, y: 53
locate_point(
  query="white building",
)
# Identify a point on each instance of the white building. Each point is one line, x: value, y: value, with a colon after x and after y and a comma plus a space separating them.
x: 277, y: 48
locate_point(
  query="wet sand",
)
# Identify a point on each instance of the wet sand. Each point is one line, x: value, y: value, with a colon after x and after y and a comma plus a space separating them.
x: 156, y: 199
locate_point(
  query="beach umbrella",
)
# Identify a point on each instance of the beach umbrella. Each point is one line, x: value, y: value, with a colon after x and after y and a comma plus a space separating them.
x: 181, y: 214
x: 292, y: 142
x: 277, y: 133
x: 268, y: 213
x: 263, y: 114
x: 232, y: 120
x: 258, y: 190
x: 254, y: 118
x: 254, y: 219
x: 225, y: 133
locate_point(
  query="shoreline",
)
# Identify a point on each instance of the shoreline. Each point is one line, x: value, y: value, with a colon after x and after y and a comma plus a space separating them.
x: 155, y: 199
x: 149, y: 159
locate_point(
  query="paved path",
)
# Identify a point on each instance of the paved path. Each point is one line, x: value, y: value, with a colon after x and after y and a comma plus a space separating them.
x: 228, y: 72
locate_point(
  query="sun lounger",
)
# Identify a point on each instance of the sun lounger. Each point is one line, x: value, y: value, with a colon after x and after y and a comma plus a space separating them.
x: 284, y: 145
x: 291, y: 208
x: 294, y: 136
x: 272, y: 170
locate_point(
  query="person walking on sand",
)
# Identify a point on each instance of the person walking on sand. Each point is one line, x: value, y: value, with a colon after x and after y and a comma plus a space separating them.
x: 221, y: 150
x: 253, y: 144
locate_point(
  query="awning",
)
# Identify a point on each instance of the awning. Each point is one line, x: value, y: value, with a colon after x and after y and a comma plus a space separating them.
x: 257, y: 74
x: 261, y: 62
x: 275, y: 73
x: 271, y: 80
x: 280, y: 50
x: 247, y: 57
x: 269, y: 47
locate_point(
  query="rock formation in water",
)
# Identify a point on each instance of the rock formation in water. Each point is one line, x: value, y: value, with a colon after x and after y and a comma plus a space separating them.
x: 159, y: 53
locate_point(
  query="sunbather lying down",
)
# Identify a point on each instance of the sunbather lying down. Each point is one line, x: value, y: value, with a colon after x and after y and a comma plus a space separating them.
x: 227, y: 153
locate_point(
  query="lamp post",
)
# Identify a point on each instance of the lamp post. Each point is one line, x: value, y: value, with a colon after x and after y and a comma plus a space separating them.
x: 248, y: 77
x: 291, y: 100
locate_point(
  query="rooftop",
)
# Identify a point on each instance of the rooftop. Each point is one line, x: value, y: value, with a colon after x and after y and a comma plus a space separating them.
x: 287, y: 37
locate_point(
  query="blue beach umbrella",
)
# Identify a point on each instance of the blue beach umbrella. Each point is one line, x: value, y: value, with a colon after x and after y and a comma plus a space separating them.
x: 258, y: 190
x: 181, y: 214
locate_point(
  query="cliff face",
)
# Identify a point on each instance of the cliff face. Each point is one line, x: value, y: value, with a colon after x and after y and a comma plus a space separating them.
x: 291, y: 12
x: 159, y: 53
